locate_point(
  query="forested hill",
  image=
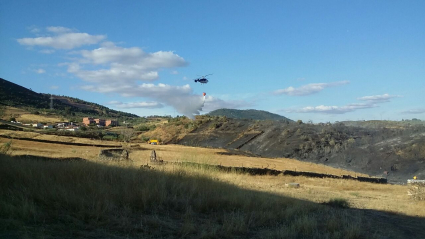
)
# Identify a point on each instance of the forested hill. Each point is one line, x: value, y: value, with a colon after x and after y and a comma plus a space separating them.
x: 247, y: 114
x: 14, y: 95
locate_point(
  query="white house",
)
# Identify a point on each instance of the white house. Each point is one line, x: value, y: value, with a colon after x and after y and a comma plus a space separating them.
x: 73, y: 129
x: 47, y: 126
x: 37, y: 125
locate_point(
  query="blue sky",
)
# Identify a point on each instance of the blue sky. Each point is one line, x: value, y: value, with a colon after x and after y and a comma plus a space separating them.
x: 309, y: 60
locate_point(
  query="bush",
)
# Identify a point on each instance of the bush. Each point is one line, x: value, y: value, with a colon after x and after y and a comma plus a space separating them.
x: 215, y: 125
x: 109, y: 137
x: 6, y: 147
x: 338, y: 203
x: 143, y: 128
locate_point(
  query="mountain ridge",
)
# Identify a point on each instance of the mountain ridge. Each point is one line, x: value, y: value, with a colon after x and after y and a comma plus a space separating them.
x: 14, y: 95
x: 248, y: 114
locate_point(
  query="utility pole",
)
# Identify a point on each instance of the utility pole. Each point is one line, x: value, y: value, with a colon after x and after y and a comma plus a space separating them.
x: 51, y: 101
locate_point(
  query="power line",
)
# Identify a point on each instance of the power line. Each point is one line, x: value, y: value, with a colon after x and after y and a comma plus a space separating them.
x: 51, y: 101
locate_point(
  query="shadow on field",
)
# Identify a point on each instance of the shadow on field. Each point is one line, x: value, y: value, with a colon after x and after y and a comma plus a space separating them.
x: 54, y: 198
x: 42, y: 158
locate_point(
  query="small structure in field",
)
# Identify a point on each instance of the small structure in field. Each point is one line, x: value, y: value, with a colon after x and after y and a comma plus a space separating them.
x: 155, y: 159
x: 113, y: 154
x: 292, y: 185
x: 416, y: 189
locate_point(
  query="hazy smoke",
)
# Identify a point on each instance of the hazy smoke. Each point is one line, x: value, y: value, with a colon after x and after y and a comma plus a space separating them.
x: 189, y: 105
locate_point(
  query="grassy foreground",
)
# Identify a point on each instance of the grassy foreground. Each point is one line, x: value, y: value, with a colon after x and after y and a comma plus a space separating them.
x: 47, y: 198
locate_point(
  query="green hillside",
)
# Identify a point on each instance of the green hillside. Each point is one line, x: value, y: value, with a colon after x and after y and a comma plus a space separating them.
x: 247, y: 114
x: 14, y: 95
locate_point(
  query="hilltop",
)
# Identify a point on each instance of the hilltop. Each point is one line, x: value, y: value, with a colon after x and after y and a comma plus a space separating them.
x: 14, y: 95
x: 396, y: 153
x: 247, y: 114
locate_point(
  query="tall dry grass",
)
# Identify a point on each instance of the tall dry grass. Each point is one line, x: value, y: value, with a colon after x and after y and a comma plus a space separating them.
x: 46, y: 198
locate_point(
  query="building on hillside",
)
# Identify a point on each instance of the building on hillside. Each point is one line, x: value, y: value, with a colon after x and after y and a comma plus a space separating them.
x: 71, y: 128
x: 37, y: 125
x: 111, y: 123
x: 88, y: 120
x: 61, y: 124
x: 48, y: 126
x: 100, y: 122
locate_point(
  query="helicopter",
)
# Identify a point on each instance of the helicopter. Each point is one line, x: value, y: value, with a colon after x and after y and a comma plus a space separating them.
x: 202, y: 79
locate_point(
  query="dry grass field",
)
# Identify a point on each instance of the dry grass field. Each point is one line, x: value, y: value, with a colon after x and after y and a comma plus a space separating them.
x: 384, y: 209
x: 391, y: 198
x: 27, y: 117
x: 53, y: 138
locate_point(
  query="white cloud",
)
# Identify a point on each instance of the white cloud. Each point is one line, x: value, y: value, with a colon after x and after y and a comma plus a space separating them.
x: 331, y: 109
x: 34, y: 29
x: 127, y: 72
x: 124, y: 64
x: 378, y: 98
x: 113, y: 54
x: 54, y: 87
x: 308, y: 89
x: 120, y: 69
x: 146, y: 105
x: 58, y: 29
x: 62, y: 38
x: 116, y: 74
x: 414, y: 111
x: 371, y: 102
x: 40, y: 71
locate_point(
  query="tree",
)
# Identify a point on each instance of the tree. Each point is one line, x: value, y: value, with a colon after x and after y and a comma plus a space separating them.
x: 2, y: 111
x: 127, y: 134
x: 67, y: 110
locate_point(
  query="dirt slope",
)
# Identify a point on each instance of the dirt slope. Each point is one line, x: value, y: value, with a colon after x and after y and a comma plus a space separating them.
x: 397, y: 154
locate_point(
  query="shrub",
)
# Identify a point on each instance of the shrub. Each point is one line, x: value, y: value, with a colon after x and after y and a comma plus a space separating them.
x: 142, y: 128
x: 6, y: 147
x: 338, y: 203
x: 109, y: 137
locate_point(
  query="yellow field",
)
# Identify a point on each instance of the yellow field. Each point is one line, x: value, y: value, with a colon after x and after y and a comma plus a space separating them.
x: 53, y: 138
x: 38, y: 118
x: 26, y: 117
x: 392, y: 198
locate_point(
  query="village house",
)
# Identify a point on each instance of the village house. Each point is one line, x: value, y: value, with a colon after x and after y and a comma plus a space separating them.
x: 111, y: 123
x: 61, y: 124
x: 72, y: 128
x: 88, y: 120
x: 37, y: 125
x: 100, y: 122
